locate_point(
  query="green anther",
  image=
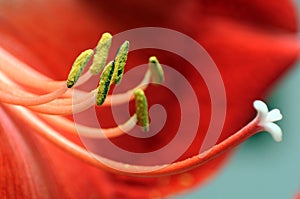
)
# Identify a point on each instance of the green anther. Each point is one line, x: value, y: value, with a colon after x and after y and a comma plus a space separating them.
x: 120, y: 61
x: 141, y: 107
x: 101, y: 54
x: 78, y: 66
x: 157, y: 72
x: 104, y: 83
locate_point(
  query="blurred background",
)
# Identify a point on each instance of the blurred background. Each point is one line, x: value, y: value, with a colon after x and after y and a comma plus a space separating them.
x: 261, y: 168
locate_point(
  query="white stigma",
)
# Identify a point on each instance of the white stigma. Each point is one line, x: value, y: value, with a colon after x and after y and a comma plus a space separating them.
x: 267, y: 118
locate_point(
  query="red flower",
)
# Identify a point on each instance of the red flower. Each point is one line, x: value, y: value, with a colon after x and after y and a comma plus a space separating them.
x: 251, y: 44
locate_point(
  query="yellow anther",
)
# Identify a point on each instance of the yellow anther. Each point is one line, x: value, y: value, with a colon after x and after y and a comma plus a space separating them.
x: 141, y: 107
x: 78, y: 66
x: 120, y: 61
x: 104, y: 83
x: 157, y: 72
x: 101, y: 54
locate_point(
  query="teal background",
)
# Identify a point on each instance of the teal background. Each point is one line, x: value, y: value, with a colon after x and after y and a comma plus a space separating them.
x: 261, y: 168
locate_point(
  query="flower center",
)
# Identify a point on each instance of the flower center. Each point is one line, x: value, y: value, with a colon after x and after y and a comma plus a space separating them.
x: 56, y: 100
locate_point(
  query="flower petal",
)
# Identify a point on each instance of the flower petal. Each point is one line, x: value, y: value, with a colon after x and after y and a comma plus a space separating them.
x: 244, y: 44
x: 22, y: 168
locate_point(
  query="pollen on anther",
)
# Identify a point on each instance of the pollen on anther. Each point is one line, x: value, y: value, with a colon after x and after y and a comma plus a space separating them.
x: 157, y: 72
x: 104, y: 83
x: 141, y: 106
x: 120, y: 61
x: 101, y: 54
x: 78, y: 66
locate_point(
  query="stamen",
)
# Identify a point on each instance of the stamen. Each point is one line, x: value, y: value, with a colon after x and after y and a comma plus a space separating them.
x: 107, y: 132
x: 101, y: 54
x: 120, y: 61
x: 129, y: 169
x: 156, y: 70
x: 121, y: 98
x: 52, y: 103
x: 104, y: 83
x: 84, y: 78
x: 12, y: 94
x: 65, y: 109
x: 267, y: 119
x: 141, y: 106
x: 32, y: 100
x: 90, y: 132
x: 78, y: 66
x: 24, y: 74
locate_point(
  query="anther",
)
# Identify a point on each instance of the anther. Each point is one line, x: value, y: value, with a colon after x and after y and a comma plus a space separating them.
x: 157, y: 72
x: 141, y: 107
x: 120, y: 61
x: 101, y: 54
x: 78, y: 66
x: 104, y: 83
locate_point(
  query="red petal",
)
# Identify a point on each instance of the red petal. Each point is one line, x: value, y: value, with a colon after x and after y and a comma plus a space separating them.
x: 22, y: 168
x: 248, y: 40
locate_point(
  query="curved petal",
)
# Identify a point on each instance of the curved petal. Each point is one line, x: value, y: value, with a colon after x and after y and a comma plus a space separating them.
x: 250, y: 42
x: 22, y: 168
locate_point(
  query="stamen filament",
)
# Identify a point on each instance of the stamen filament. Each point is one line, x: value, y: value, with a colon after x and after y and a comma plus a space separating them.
x: 83, y: 78
x: 121, y: 98
x: 31, y: 101
x: 65, y: 106
x: 64, y: 110
x: 23, y: 74
x: 90, y: 132
x: 133, y: 170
